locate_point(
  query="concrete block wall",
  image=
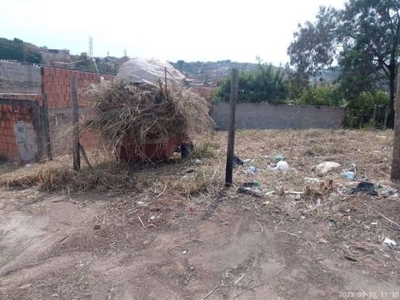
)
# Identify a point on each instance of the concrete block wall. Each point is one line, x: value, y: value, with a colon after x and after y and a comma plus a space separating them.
x: 266, y: 116
x: 17, y: 78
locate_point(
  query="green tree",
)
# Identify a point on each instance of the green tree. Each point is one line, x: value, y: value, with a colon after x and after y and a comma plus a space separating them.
x: 364, y: 37
x: 327, y: 95
x: 265, y: 84
x: 360, y: 110
x: 17, y: 50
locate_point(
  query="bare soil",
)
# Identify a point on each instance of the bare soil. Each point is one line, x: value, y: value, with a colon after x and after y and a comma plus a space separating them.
x: 216, y: 244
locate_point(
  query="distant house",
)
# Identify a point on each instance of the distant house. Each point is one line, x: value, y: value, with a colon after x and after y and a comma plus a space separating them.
x: 54, y: 57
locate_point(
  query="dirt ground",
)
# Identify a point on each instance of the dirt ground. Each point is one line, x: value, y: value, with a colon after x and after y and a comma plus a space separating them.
x: 215, y: 245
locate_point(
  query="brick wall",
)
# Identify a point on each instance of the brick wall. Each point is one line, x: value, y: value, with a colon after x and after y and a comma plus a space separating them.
x: 19, y: 110
x: 265, y: 116
x: 18, y: 129
x: 56, y: 85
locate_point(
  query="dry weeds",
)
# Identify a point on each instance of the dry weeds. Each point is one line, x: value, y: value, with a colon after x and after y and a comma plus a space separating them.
x: 203, y: 174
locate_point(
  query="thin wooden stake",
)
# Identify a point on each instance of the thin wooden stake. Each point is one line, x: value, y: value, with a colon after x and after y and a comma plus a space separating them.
x: 75, y: 120
x: 85, y: 158
x: 383, y: 216
x: 231, y: 134
x: 209, y: 293
x: 141, y: 222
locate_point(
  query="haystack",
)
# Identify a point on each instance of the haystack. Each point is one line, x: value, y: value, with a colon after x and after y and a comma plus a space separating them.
x: 134, y: 114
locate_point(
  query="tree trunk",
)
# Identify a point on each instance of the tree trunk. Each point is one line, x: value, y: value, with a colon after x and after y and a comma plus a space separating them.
x: 395, y: 172
x: 392, y: 86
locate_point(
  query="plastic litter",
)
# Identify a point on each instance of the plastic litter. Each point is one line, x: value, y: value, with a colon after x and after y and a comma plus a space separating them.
x: 237, y: 161
x: 279, y: 157
x: 251, y: 184
x: 325, y: 167
x: 365, y: 187
x: 348, y: 175
x: 282, y: 166
x: 149, y: 71
x: 251, y: 170
x: 251, y: 190
x: 390, y: 243
x: 312, y: 180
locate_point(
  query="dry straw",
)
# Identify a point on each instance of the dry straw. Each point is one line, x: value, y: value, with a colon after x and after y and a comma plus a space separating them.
x: 135, y: 114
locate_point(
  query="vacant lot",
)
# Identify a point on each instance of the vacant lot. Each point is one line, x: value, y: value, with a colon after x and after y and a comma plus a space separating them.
x: 170, y: 231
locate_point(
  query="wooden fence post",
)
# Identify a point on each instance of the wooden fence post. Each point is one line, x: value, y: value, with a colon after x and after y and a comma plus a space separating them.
x: 395, y: 172
x: 75, y: 131
x: 46, y: 127
x: 231, y: 133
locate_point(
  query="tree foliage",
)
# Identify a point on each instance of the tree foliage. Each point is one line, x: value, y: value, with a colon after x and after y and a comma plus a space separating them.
x: 17, y: 50
x: 324, y: 95
x: 363, y: 37
x: 265, y: 84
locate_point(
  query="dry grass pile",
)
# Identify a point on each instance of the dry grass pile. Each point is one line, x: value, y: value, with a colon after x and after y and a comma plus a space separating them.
x: 176, y: 177
x: 136, y: 114
x: 59, y: 175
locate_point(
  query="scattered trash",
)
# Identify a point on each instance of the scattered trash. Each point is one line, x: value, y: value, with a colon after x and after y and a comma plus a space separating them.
x: 250, y: 188
x: 365, y: 187
x: 390, y: 243
x: 279, y: 157
x: 349, y: 175
x: 197, y: 161
x: 237, y: 161
x: 325, y: 167
x: 246, y: 160
x: 266, y: 203
x: 269, y: 193
x: 282, y: 166
x: 311, y: 179
x: 251, y: 170
x: 251, y: 184
x: 318, y: 201
x: 28, y: 165
x: 385, y: 191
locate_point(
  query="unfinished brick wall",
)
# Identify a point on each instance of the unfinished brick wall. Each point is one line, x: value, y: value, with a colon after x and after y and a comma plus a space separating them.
x: 56, y: 90
x: 22, y: 136
x: 19, y: 129
x: 56, y: 85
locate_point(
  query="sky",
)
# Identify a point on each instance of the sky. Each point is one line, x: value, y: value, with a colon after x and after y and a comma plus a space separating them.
x: 170, y: 30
